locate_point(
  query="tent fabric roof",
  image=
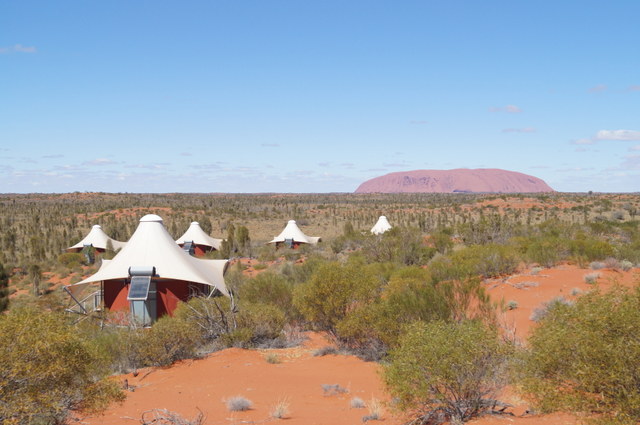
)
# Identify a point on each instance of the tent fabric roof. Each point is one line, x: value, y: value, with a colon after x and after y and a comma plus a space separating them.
x: 381, y: 226
x: 198, y: 236
x: 151, y: 245
x: 98, y: 238
x: 292, y: 231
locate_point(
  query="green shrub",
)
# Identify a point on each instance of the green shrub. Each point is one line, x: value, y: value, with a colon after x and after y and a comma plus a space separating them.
x: 447, y: 371
x: 71, y: 259
x: 584, y: 357
x: 411, y: 296
x: 48, y: 369
x: 168, y: 340
x: 268, y: 288
x: 398, y: 245
x: 259, y: 322
x: 475, y: 260
x: 333, y: 291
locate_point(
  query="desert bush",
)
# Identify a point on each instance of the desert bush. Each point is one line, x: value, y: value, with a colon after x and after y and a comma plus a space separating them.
x: 584, y: 357
x: 168, y: 340
x: 213, y: 317
x: 48, y: 369
x: 590, y: 248
x: 272, y: 358
x: 447, y: 371
x: 398, y: 245
x: 597, y: 265
x: 512, y: 305
x: 71, y: 259
x: 326, y: 350
x: 475, y: 260
x: 269, y: 288
x: 333, y: 389
x: 260, y: 322
x: 546, y: 251
x: 239, y: 404
x: 442, y: 240
x: 626, y: 265
x: 541, y: 312
x: 167, y: 417
x: 333, y: 291
x: 357, y: 403
x: 411, y: 296
x: 591, y: 278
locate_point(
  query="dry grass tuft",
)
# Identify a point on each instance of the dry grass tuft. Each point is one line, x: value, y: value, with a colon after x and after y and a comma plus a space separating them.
x: 281, y: 409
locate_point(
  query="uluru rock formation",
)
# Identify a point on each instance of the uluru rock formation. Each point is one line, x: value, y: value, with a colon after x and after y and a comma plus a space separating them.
x: 481, y: 180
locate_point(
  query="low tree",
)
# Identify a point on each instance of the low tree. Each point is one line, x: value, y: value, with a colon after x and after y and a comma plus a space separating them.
x: 448, y: 371
x: 584, y: 356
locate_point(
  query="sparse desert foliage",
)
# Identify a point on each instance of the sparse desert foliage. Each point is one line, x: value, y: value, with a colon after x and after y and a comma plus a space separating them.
x: 447, y: 371
x: 585, y: 356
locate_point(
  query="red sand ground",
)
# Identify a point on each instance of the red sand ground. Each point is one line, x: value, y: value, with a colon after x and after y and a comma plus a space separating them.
x: 204, y: 384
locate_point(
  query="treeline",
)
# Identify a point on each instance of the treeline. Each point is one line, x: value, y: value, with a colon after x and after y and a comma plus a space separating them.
x: 35, y: 228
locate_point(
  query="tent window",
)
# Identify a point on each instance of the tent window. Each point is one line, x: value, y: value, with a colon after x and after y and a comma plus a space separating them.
x: 139, y: 288
x: 189, y: 247
x: 288, y: 243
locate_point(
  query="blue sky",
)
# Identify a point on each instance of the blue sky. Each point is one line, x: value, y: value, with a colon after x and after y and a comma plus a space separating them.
x: 297, y: 96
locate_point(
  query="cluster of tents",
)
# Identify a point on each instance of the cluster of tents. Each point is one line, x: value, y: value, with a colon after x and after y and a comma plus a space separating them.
x: 152, y: 272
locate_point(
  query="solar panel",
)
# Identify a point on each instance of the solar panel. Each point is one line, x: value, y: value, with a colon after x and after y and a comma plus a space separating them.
x: 139, y: 288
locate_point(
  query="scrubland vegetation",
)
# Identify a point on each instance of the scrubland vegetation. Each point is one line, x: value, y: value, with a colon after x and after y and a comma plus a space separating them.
x: 413, y: 298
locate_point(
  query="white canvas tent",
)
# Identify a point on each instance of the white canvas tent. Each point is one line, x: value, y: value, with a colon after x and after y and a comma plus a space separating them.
x: 381, y: 226
x: 198, y: 236
x: 293, y: 233
x: 98, y: 239
x: 151, y: 247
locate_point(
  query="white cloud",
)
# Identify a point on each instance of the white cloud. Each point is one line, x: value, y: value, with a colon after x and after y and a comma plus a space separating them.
x: 583, y: 142
x: 18, y: 48
x: 512, y: 109
x: 418, y: 122
x: 99, y: 161
x: 618, y: 135
x: 519, y: 130
x: 634, y: 88
x: 635, y: 148
x: 599, y: 88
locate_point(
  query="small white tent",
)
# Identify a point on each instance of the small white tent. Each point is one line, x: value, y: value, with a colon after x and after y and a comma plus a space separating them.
x: 196, y: 235
x: 98, y: 239
x: 381, y: 226
x: 293, y: 233
x: 172, y: 274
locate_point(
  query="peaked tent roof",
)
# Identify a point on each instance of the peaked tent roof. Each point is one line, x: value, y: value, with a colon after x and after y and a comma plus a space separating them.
x: 198, y: 236
x: 151, y: 245
x: 381, y: 226
x: 292, y: 231
x: 98, y: 238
